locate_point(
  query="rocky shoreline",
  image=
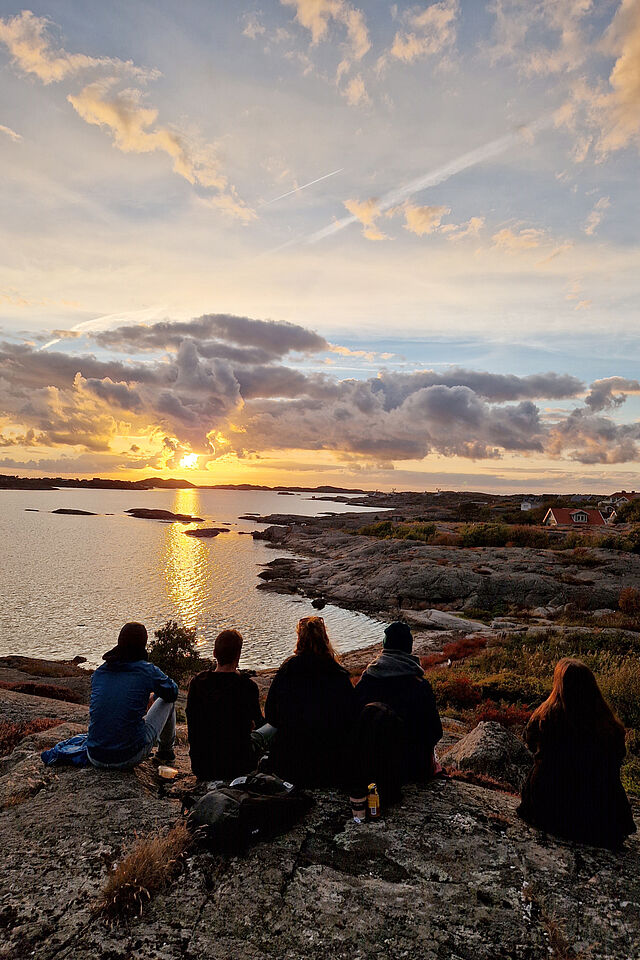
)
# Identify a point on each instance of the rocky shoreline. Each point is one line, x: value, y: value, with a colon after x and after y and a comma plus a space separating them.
x: 332, y: 562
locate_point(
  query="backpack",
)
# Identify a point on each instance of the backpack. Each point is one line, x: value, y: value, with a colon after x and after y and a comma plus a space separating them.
x: 228, y: 819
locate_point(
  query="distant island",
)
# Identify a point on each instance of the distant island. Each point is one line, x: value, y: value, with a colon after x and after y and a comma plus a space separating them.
x: 8, y: 482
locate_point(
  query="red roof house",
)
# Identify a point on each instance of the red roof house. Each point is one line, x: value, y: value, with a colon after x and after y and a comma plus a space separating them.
x: 575, y: 517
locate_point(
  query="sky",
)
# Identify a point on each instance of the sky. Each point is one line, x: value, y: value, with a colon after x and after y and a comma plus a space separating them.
x: 315, y: 241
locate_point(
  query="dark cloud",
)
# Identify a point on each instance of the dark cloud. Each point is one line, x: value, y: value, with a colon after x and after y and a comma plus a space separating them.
x: 610, y: 393
x: 214, y: 332
x: 225, y: 377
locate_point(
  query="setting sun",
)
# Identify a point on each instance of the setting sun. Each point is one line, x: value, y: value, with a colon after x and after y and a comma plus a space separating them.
x: 189, y: 461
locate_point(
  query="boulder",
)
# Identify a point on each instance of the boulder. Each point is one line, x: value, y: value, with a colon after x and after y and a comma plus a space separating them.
x: 206, y: 532
x: 146, y: 513
x: 492, y: 751
x: 442, y: 620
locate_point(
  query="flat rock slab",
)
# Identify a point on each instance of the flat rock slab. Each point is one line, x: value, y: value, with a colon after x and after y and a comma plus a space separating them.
x: 442, y: 620
x: 75, y: 513
x: 146, y: 513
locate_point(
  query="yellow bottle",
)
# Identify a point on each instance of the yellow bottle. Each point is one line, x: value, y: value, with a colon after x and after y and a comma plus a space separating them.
x: 373, y: 802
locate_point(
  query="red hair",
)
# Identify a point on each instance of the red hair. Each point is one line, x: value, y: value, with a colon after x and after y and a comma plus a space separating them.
x: 576, y: 699
x: 314, y: 639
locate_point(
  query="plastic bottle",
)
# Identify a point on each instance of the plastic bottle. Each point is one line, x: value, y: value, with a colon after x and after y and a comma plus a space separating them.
x: 373, y: 802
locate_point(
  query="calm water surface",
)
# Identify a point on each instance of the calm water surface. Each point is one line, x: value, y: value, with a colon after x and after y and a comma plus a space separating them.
x: 68, y: 583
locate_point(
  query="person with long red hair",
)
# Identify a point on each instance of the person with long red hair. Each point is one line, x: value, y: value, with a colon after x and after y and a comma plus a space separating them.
x: 573, y: 789
x: 312, y: 704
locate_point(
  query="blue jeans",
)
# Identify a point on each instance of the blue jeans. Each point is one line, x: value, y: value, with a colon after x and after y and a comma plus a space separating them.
x: 160, y: 728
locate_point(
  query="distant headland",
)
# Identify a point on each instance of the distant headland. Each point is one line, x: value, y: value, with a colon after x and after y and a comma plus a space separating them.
x: 9, y: 482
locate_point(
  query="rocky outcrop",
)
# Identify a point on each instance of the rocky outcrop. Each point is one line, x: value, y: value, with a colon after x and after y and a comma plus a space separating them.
x: 450, y: 872
x: 490, y: 750
x: 377, y: 575
x: 68, y: 511
x: 145, y: 513
x: 206, y: 532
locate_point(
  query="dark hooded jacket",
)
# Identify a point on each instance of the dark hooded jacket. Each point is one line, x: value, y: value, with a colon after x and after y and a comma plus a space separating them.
x: 396, y: 679
x: 573, y: 789
x: 312, y: 703
x: 222, y: 709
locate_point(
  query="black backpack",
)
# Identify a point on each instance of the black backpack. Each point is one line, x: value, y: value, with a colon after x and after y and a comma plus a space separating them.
x: 229, y: 819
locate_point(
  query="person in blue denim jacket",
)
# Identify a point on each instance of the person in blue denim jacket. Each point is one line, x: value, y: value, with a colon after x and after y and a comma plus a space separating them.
x: 122, y: 732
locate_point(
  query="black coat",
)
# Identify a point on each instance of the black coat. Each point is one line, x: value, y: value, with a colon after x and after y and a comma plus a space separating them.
x: 573, y: 789
x: 312, y: 703
x: 222, y: 709
x: 412, y: 699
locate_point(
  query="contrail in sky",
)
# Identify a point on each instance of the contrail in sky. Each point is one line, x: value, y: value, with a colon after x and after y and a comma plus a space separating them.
x: 304, y: 186
x: 117, y: 319
x: 439, y: 175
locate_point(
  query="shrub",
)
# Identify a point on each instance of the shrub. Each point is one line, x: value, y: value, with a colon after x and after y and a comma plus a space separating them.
x: 630, y: 776
x: 12, y: 733
x: 174, y: 651
x: 629, y: 601
x: 387, y: 529
x: 456, y: 650
x: 508, y: 715
x: 513, y: 687
x: 42, y: 690
x: 149, y: 866
x: 456, y: 691
x: 484, y: 535
x: 620, y: 685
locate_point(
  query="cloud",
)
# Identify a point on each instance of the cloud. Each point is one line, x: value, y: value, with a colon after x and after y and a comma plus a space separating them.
x: 123, y: 112
x: 26, y: 37
x: 316, y: 15
x: 515, y: 240
x: 367, y: 212
x: 471, y: 228
x: 593, y: 220
x: 428, y: 32
x: 610, y: 393
x: 355, y: 91
x: 8, y: 132
x: 542, y: 36
x: 224, y: 390
x: 253, y: 26
x: 421, y: 220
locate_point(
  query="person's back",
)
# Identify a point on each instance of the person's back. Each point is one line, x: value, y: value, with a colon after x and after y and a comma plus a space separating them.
x: 573, y: 789
x: 396, y: 679
x: 120, y: 692
x: 311, y: 702
x: 222, y: 710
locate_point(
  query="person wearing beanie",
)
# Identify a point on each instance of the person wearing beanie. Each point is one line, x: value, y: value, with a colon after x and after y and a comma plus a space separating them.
x: 396, y: 704
x: 122, y: 732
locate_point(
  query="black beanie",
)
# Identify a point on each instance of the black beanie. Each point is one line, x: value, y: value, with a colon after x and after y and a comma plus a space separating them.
x: 397, y: 636
x: 132, y: 644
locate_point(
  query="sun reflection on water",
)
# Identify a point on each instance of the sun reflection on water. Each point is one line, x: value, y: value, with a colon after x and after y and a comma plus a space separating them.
x: 186, y: 562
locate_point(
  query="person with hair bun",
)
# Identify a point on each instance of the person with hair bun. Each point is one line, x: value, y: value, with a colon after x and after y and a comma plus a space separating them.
x: 574, y: 789
x: 312, y: 704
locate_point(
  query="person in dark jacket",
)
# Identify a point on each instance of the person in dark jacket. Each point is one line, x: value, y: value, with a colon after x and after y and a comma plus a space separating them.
x: 122, y: 732
x: 311, y: 702
x: 396, y: 681
x: 227, y: 735
x: 574, y: 789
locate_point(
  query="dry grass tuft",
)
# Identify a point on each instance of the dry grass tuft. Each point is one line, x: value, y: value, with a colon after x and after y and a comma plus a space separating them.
x: 149, y: 866
x: 47, y: 690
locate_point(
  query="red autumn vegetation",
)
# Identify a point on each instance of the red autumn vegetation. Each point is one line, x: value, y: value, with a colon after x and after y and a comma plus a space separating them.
x: 12, y: 733
x: 456, y: 650
x: 42, y: 690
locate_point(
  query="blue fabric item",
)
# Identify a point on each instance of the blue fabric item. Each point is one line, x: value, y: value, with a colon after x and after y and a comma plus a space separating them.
x: 120, y: 693
x: 73, y: 751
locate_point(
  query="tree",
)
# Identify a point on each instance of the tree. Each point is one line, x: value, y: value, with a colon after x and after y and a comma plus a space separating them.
x: 175, y: 651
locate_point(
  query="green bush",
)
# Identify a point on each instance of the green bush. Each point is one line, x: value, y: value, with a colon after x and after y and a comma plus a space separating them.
x: 485, y: 535
x: 387, y: 530
x: 175, y: 651
x: 514, y: 688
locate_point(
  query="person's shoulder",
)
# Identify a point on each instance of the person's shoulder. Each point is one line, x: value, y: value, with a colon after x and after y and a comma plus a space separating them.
x: 204, y: 678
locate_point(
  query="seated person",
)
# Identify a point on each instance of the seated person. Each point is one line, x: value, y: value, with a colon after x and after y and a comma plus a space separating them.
x: 311, y: 703
x: 223, y: 714
x: 574, y: 788
x: 396, y: 680
x: 122, y: 732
